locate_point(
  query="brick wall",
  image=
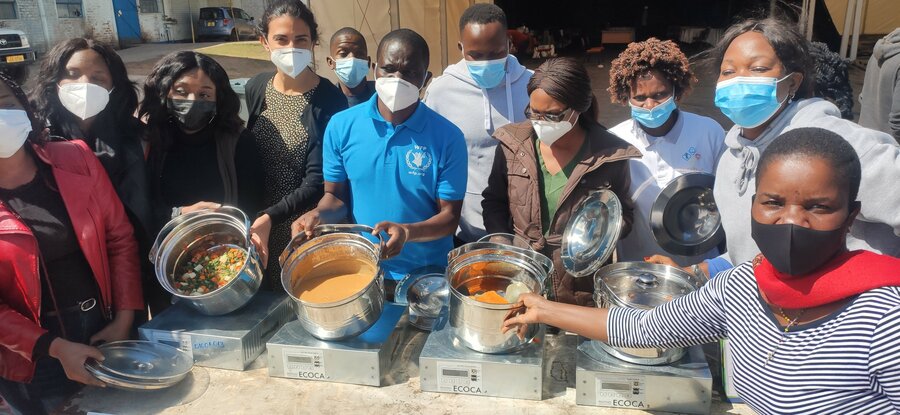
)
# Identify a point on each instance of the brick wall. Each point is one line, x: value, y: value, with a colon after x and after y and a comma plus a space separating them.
x: 98, y: 21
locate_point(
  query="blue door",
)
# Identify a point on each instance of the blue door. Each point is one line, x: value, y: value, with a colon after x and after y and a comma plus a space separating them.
x: 127, y: 25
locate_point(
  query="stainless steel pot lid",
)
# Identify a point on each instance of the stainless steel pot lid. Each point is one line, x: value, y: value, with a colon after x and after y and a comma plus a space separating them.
x: 142, y: 361
x: 400, y: 292
x: 684, y: 218
x: 642, y: 284
x: 591, y: 234
x: 428, y: 295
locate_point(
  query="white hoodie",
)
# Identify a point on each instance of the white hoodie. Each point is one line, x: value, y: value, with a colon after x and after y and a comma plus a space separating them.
x: 877, y: 227
x: 478, y: 113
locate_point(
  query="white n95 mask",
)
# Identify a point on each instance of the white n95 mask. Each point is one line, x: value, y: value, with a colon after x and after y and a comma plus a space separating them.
x: 395, y: 93
x: 83, y: 99
x: 291, y: 61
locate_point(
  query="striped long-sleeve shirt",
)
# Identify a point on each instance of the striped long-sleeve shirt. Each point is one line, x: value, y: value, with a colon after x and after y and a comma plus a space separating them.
x: 846, y: 363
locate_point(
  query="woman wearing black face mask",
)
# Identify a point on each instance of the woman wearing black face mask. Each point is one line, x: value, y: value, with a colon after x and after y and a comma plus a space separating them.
x: 200, y: 154
x: 812, y: 326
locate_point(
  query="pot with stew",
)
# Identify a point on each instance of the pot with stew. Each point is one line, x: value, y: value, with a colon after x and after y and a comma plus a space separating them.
x: 335, y: 279
x: 206, y: 259
x: 486, y: 280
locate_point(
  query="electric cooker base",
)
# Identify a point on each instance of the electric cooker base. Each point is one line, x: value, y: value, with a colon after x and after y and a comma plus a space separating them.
x: 231, y: 341
x: 684, y: 386
x: 447, y: 366
x: 362, y: 360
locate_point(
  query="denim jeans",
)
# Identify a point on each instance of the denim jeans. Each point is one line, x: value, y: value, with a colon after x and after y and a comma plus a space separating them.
x: 50, y: 387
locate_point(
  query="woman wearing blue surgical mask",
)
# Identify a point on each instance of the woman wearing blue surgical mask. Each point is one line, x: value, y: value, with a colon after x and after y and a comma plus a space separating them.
x: 547, y: 165
x: 765, y: 87
x: 288, y: 110
x: 652, y: 77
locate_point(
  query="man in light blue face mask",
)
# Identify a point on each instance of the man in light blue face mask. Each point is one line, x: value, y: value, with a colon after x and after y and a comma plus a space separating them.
x: 487, y: 77
x: 673, y: 142
x: 350, y: 62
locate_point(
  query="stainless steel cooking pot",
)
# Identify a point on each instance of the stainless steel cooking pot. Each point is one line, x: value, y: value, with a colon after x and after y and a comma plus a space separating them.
x: 481, y: 266
x: 684, y: 218
x: 185, y: 233
x: 645, y: 286
x: 352, y: 315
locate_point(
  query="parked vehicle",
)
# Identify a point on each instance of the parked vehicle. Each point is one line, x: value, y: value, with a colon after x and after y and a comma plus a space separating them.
x: 14, y: 48
x: 228, y: 22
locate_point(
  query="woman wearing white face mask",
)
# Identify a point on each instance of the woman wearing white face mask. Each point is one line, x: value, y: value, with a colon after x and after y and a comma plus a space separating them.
x: 544, y: 167
x: 83, y: 92
x: 70, y: 276
x: 288, y: 111
x: 765, y: 86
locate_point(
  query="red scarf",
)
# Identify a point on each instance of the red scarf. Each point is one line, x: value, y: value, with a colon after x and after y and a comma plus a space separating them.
x: 844, y: 276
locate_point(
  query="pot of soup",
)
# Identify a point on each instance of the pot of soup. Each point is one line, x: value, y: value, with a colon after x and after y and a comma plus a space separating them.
x: 335, y: 279
x: 486, y: 279
x: 206, y: 259
x: 645, y: 286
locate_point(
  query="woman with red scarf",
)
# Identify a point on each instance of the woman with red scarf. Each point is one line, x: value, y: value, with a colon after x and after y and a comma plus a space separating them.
x: 813, y: 327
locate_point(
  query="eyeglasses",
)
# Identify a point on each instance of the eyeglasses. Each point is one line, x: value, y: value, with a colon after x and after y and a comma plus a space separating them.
x: 546, y: 116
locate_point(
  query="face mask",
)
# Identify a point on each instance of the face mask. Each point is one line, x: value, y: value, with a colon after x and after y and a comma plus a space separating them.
x: 395, y: 93
x: 15, y: 126
x: 85, y: 100
x: 291, y: 61
x: 548, y: 131
x: 192, y: 114
x: 351, y: 71
x: 656, y: 116
x: 749, y: 101
x: 487, y: 74
x: 795, y: 250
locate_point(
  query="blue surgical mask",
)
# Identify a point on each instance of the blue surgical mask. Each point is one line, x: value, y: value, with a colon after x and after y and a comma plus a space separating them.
x: 351, y: 71
x: 749, y: 101
x: 487, y: 74
x: 656, y: 116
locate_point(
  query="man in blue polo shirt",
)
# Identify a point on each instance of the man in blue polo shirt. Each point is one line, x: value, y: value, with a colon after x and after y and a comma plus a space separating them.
x: 399, y: 166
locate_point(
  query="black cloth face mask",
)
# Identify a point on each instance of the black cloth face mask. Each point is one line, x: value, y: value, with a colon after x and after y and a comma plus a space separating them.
x: 191, y: 114
x: 795, y: 250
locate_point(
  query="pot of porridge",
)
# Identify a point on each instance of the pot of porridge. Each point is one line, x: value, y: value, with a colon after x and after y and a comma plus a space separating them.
x: 644, y: 286
x: 335, y: 279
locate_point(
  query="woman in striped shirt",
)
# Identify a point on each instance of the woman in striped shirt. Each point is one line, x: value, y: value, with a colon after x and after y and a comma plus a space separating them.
x: 814, y: 328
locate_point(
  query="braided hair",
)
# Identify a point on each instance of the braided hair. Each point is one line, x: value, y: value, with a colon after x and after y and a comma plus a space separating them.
x: 832, y: 78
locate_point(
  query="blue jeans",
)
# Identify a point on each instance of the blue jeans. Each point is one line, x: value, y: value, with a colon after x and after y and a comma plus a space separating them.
x: 50, y: 387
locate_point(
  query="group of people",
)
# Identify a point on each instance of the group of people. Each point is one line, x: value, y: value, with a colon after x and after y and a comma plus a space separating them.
x: 808, y: 200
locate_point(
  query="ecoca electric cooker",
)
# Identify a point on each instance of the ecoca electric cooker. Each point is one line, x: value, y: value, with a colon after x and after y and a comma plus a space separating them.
x: 467, y: 353
x: 656, y: 379
x: 349, y: 339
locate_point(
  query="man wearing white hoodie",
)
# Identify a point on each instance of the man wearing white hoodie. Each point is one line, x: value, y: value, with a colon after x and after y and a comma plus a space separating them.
x: 487, y: 78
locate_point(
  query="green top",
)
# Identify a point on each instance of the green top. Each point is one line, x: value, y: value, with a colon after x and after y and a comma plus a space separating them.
x: 552, y: 185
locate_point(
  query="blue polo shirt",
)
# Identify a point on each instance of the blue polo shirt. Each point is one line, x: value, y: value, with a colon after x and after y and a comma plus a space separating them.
x: 397, y: 173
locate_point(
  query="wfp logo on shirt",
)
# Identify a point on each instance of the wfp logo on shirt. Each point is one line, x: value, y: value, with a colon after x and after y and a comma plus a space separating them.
x: 691, y: 153
x: 418, y: 159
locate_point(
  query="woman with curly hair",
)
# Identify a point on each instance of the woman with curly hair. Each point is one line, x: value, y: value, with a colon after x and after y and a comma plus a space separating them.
x: 652, y: 77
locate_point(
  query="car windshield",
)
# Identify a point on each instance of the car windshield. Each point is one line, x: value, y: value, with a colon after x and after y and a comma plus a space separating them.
x: 211, y: 14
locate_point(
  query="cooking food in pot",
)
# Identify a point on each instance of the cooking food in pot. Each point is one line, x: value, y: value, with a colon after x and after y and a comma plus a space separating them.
x: 208, y: 267
x: 334, y: 280
x: 508, y: 295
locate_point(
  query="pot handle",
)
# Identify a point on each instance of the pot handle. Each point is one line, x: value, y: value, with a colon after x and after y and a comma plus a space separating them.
x: 352, y: 228
x: 295, y: 243
x: 178, y: 220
